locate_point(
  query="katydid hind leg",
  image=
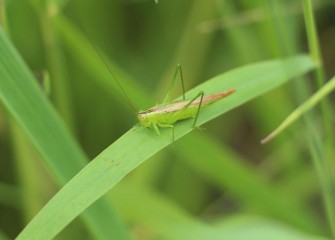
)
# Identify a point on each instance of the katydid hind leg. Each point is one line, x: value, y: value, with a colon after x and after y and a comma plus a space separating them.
x: 181, y: 111
x: 198, y: 110
x: 178, y: 69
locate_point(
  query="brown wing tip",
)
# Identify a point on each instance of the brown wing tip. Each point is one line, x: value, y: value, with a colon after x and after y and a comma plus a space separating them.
x: 216, y: 96
x: 230, y: 91
x: 227, y: 92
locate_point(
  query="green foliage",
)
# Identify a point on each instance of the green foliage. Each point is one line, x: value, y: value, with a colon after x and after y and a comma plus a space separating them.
x: 214, y: 184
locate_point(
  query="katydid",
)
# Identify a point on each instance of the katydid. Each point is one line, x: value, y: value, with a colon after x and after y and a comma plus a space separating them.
x: 168, y: 113
x: 165, y: 115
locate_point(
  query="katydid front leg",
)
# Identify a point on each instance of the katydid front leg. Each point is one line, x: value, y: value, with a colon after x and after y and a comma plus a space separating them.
x: 163, y: 125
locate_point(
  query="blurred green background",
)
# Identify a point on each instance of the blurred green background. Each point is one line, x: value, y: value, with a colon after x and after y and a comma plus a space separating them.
x: 143, y: 43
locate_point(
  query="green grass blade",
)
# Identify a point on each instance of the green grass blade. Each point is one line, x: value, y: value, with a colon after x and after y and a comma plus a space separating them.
x: 306, y: 106
x: 9, y: 195
x: 250, y: 227
x: 26, y: 102
x: 138, y: 144
x: 166, y: 220
x: 226, y: 170
x: 319, y: 75
x: 327, y: 146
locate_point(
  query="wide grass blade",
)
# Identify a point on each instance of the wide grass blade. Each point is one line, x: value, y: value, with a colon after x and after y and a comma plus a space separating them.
x: 30, y: 107
x: 138, y: 144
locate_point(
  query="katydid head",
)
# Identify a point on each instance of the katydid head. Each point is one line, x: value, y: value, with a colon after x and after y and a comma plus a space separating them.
x: 143, y: 119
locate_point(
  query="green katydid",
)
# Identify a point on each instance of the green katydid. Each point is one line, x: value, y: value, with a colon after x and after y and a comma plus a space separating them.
x: 168, y: 113
x: 165, y: 115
